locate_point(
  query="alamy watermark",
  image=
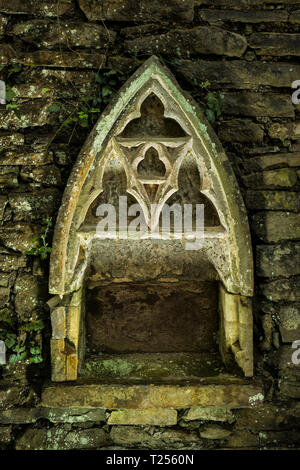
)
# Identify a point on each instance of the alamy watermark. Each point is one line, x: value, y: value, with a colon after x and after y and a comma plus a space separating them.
x: 296, y: 94
x: 296, y: 354
x: 2, y: 92
x: 2, y: 353
x: 176, y: 221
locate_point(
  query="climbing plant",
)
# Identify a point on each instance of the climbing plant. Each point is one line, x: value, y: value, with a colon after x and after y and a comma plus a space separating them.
x: 41, y: 241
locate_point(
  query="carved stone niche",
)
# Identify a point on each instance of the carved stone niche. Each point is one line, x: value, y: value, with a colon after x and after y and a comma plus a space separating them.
x: 140, y: 306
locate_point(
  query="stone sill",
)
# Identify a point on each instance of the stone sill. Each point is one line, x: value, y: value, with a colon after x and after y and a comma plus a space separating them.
x: 228, y: 392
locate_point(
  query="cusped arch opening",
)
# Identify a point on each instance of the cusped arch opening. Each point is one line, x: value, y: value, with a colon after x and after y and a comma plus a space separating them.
x: 116, y: 282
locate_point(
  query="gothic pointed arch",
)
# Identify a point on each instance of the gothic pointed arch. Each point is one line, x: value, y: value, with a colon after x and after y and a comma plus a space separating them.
x: 152, y: 120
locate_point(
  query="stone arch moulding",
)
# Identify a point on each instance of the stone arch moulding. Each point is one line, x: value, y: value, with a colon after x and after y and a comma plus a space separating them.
x: 230, y: 241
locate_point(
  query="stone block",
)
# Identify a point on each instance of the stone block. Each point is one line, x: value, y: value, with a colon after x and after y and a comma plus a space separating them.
x: 3, y: 23
x: 272, y: 161
x: 209, y: 414
x: 34, y: 206
x: 73, y: 415
x: 272, y: 179
x: 282, y: 131
x: 214, y: 431
x: 9, y: 177
x: 282, y: 289
x: 110, y: 396
x: 278, y: 260
x: 58, y: 323
x: 273, y: 226
x: 275, y: 44
x: 199, y: 40
x: 273, y: 200
x: 49, y: 35
x: 30, y: 292
x: 48, y: 175
x: 12, y: 262
x: 295, y: 17
x: 156, y: 417
x: 25, y: 156
x: 251, y: 16
x: 18, y: 236
x: 289, y: 322
x: 142, y: 11
x: 9, y: 140
x: 32, y: 115
x: 257, y: 104
x: 58, y: 438
x: 62, y: 59
x: 239, y: 74
x: 131, y: 436
x: 46, y: 8
x: 241, y: 130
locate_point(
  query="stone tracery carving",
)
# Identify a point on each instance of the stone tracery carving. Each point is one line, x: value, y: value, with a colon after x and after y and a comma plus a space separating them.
x: 152, y: 117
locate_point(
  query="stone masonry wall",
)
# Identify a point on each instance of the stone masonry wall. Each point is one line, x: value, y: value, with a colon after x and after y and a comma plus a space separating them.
x: 57, y: 54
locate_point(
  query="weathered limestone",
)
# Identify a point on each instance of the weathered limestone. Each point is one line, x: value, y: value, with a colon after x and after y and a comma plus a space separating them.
x: 45, y: 34
x: 209, y: 414
x: 6, y: 54
x: 295, y: 17
x: 278, y: 44
x: 241, y: 130
x: 12, y: 139
x: 126, y: 10
x: 25, y: 156
x: 238, y: 74
x: 214, y: 431
x: 32, y: 115
x: 200, y: 40
x: 257, y: 16
x: 62, y: 59
x: 143, y: 397
x: 54, y: 415
x: 278, y: 260
x: 273, y: 200
x: 62, y: 439
x: 289, y: 322
x: 29, y: 292
x: 9, y: 177
x: 132, y: 437
x: 282, y: 131
x: 18, y: 236
x: 272, y: 161
x: 12, y: 262
x: 273, y: 227
x: 48, y: 175
x: 36, y: 7
x: 257, y: 104
x: 236, y: 330
x: 26, y: 206
x: 3, y: 23
x: 272, y: 179
x: 246, y: 4
x: 163, y: 417
x: 282, y: 289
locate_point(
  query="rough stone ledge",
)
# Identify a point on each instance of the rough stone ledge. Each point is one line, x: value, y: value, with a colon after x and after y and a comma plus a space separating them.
x: 235, y: 394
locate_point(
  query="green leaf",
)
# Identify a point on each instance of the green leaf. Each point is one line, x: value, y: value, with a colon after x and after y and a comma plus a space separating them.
x: 35, y: 359
x: 9, y: 94
x: 106, y: 92
x: 210, y: 115
x: 54, y: 108
x: 45, y: 90
x: 35, y: 350
x: 10, y: 340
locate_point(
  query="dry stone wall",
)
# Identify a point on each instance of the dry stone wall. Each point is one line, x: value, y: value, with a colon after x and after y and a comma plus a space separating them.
x: 54, y: 54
